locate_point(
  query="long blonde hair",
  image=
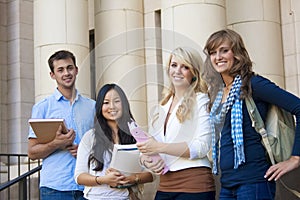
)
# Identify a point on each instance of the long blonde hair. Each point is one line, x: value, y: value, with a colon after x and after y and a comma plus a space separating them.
x: 192, y: 59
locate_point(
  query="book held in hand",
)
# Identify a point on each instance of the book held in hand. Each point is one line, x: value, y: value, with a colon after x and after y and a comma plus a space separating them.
x: 45, y: 129
x: 125, y: 158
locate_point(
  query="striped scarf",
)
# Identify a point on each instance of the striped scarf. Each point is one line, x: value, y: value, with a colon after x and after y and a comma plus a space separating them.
x: 217, y: 117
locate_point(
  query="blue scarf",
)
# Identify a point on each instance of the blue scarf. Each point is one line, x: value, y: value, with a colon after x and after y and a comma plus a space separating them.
x: 217, y: 117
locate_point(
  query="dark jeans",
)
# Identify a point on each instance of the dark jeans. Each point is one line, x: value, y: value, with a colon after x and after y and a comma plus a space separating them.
x: 184, y: 196
x: 256, y: 191
x: 51, y: 194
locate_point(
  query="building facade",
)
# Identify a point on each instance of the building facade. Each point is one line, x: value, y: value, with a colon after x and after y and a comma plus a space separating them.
x: 128, y: 42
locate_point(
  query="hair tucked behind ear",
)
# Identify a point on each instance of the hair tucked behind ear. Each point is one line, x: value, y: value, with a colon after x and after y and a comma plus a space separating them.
x: 192, y: 59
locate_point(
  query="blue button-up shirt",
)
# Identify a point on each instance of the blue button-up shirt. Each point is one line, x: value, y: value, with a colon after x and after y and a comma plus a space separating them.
x: 58, y: 168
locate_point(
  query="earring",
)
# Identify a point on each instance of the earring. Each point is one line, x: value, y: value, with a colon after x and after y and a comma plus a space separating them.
x: 194, y: 78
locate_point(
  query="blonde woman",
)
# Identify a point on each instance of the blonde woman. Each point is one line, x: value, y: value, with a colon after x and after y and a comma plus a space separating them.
x: 181, y: 132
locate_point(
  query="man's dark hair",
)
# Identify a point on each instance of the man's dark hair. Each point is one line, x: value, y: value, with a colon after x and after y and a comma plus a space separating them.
x: 59, y: 55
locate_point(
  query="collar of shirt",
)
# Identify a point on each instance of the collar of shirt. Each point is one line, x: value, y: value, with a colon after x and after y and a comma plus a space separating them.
x: 58, y: 95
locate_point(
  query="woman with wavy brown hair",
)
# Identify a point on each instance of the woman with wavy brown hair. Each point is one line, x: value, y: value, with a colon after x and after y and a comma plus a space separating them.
x: 237, y: 148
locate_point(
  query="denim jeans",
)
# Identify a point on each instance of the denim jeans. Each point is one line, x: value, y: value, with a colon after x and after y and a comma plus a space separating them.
x: 185, y: 196
x: 51, y: 194
x: 256, y: 191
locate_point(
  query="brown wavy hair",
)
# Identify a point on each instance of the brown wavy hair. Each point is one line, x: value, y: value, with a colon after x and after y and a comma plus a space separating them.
x: 242, y: 63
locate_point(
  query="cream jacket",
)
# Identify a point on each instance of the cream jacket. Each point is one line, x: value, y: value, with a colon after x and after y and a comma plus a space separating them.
x: 196, y: 132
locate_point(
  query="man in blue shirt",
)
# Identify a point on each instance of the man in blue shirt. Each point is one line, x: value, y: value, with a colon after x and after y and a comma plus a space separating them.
x: 59, y: 155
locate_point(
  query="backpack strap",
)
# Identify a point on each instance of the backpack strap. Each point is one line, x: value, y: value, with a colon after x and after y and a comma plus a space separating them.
x: 259, y: 125
x: 295, y: 192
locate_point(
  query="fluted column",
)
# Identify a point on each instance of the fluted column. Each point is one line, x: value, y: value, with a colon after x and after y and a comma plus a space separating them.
x: 258, y: 22
x: 119, y: 51
x: 60, y: 24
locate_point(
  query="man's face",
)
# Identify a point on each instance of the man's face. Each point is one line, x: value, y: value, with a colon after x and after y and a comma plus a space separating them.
x: 65, y: 73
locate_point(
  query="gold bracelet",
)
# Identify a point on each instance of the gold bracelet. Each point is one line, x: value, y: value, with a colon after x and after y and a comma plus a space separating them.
x: 137, y: 179
x: 98, y: 183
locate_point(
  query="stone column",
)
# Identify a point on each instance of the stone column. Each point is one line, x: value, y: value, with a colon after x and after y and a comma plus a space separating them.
x: 17, y: 75
x: 119, y: 52
x: 258, y: 22
x: 60, y: 24
x: 3, y: 77
x: 290, y: 22
x: 189, y: 23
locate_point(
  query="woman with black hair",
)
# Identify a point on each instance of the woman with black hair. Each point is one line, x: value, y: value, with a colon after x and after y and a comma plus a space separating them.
x: 95, y: 149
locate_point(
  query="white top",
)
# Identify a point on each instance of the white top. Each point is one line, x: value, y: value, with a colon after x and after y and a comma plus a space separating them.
x: 102, y: 191
x: 196, y: 131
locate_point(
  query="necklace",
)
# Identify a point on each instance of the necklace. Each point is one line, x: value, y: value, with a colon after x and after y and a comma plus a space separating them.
x: 227, y: 87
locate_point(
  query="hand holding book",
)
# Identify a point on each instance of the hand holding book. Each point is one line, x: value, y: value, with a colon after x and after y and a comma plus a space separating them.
x: 45, y: 129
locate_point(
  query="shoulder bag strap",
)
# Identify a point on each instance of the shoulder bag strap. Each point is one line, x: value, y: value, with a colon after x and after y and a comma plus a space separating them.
x: 259, y: 125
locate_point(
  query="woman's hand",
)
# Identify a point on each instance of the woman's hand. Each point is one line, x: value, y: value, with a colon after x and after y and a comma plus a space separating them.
x: 114, y: 178
x: 278, y: 170
x: 149, y: 147
x: 130, y: 179
x: 155, y: 167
